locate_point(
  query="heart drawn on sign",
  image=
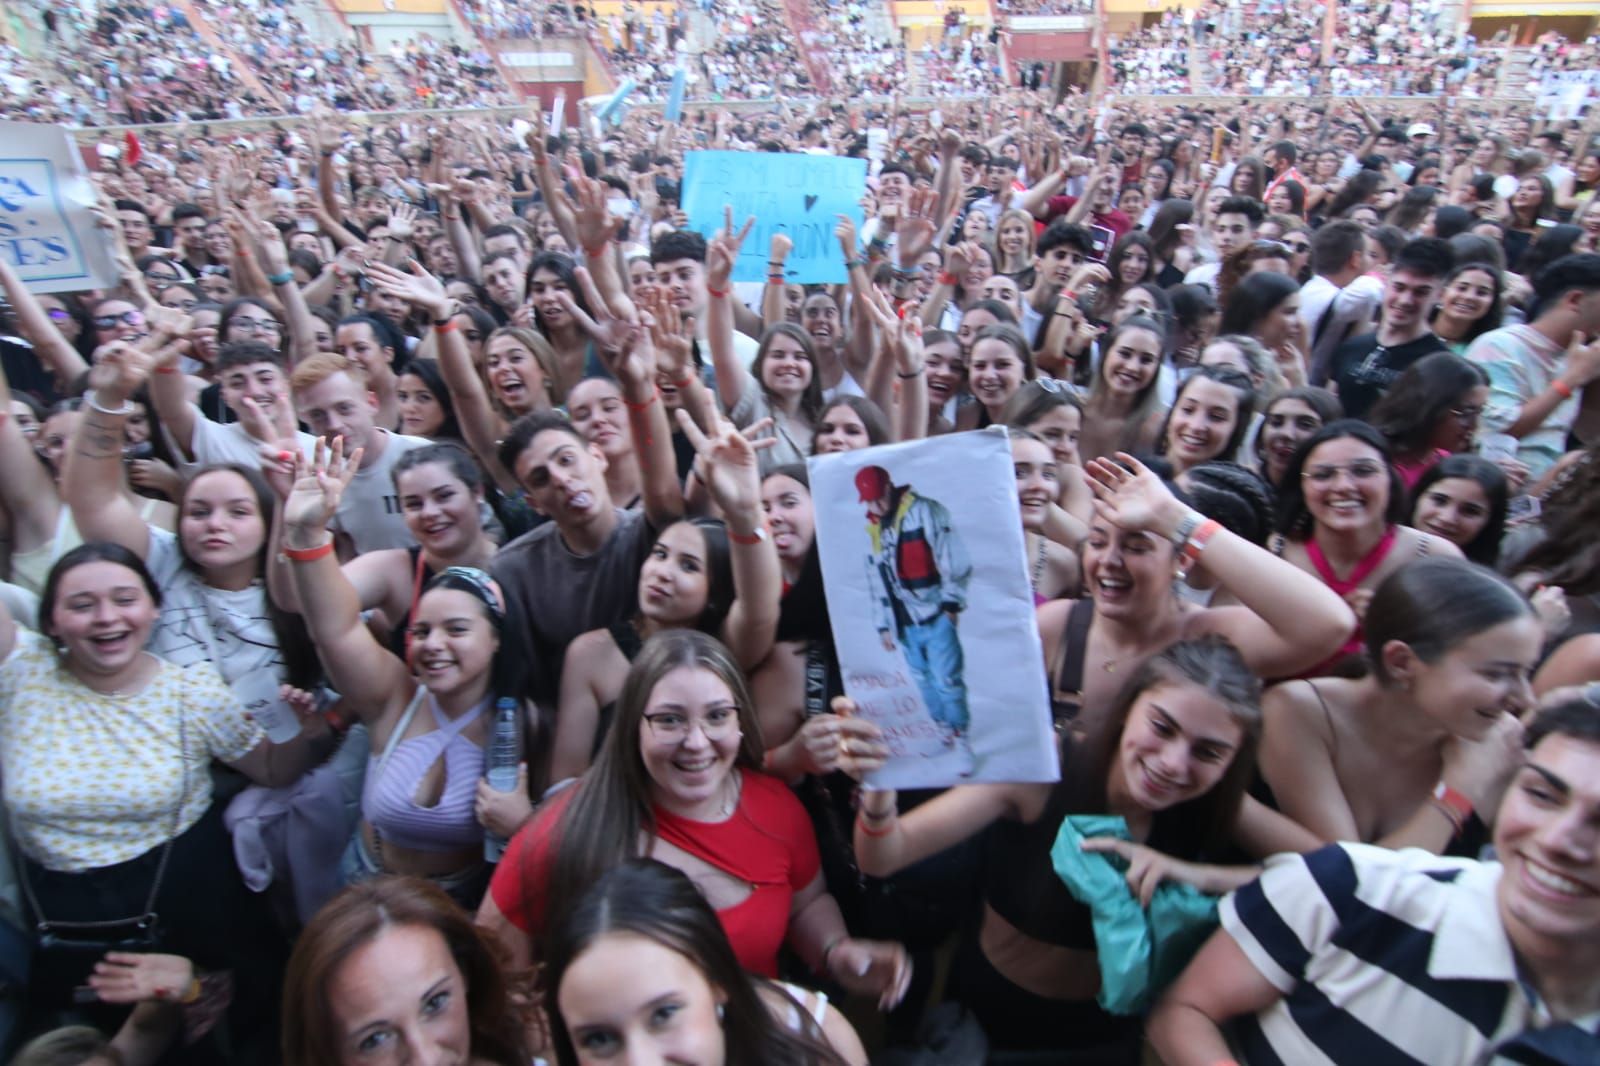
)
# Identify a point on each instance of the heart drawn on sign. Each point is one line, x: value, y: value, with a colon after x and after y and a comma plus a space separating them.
x: 811, y: 201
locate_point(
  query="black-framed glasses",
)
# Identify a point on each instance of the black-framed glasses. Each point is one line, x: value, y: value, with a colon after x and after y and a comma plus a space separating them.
x: 1467, y: 413
x: 126, y: 318
x: 1298, y: 246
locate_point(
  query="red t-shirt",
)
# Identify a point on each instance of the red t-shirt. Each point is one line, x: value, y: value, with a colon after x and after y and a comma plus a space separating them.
x: 1113, y: 220
x: 768, y: 843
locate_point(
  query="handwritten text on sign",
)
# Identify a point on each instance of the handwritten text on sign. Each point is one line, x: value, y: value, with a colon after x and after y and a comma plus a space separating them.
x: 47, y: 233
x: 797, y: 195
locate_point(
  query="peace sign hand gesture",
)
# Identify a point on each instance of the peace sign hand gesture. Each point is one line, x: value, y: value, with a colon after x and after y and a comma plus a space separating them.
x: 729, y: 468
x: 722, y: 252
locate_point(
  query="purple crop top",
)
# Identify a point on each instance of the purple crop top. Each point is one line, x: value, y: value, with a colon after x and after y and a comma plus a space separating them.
x: 388, y: 797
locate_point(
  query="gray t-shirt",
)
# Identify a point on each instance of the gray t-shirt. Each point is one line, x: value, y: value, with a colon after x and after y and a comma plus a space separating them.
x: 214, y: 442
x: 369, y: 512
x: 553, y: 594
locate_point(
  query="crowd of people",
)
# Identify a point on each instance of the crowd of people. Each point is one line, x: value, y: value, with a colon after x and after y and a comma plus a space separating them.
x: 414, y: 644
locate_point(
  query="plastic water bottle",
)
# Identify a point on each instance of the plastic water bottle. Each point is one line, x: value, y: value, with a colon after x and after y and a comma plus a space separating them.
x: 504, y: 754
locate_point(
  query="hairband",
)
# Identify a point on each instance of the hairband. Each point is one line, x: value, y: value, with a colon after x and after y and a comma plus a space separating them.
x: 479, y: 583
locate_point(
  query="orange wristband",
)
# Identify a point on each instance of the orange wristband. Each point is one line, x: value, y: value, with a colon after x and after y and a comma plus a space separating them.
x: 1563, y: 388
x: 309, y: 555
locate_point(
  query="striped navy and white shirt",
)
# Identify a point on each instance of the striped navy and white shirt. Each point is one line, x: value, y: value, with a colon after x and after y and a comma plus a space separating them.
x: 1388, y: 958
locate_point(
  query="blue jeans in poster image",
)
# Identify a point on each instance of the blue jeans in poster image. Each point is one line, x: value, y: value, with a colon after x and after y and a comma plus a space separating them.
x: 933, y: 651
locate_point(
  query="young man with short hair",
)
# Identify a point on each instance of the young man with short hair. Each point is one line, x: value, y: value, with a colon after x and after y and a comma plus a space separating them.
x: 1061, y: 251
x: 1356, y: 955
x: 1341, y: 300
x: 679, y: 259
x: 580, y: 570
x: 1232, y: 227
x: 1536, y: 370
x: 332, y: 396
x: 253, y: 382
x: 1364, y: 368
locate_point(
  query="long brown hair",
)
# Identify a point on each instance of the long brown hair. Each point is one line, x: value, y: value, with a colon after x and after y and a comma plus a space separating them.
x: 611, y: 809
x: 358, y: 916
x: 1210, y: 663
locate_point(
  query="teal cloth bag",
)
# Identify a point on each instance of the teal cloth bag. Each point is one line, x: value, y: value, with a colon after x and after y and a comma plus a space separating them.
x: 1141, y: 951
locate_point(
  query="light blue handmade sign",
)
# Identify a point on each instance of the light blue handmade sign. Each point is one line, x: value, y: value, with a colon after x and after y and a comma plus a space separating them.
x: 47, y: 229
x: 797, y: 195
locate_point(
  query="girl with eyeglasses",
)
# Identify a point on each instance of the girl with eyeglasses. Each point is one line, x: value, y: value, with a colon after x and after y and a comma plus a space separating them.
x: 679, y: 779
x: 717, y: 576
x: 1431, y: 411
x: 1341, y: 506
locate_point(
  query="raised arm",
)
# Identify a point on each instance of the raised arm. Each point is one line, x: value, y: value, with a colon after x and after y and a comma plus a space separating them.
x: 91, y: 475
x: 731, y: 473
x: 361, y: 669
x: 773, y: 293
x: 722, y: 251
x: 51, y: 348
x: 626, y: 348
x: 480, y: 424
x: 302, y: 328
x: 26, y: 490
x: 1290, y: 619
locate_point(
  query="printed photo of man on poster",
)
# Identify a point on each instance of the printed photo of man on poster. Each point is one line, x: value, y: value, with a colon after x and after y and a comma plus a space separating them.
x: 918, y: 570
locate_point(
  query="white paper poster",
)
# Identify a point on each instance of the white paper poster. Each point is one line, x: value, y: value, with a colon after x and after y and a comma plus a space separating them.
x: 47, y: 231
x: 932, y: 612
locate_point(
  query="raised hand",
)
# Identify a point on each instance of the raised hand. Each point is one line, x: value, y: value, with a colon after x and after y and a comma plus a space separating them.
x: 623, y: 344
x: 318, y: 488
x: 1130, y: 496
x: 596, y: 225
x: 729, y: 469
x: 844, y: 231
x: 118, y: 371
x: 418, y: 287
x: 402, y: 221
x: 722, y: 251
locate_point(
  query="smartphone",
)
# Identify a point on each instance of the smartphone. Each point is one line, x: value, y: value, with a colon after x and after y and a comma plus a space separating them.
x: 1103, y: 240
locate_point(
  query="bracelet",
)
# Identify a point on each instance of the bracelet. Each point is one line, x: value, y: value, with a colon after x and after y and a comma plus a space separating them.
x: 1186, y: 526
x: 907, y: 377
x: 191, y: 994
x: 444, y: 327
x: 280, y: 279
x: 241, y: 252
x: 167, y: 368
x: 866, y: 830
x: 1453, y: 801
x: 718, y: 293
x: 755, y: 537
x: 630, y: 405
x: 947, y: 278
x: 1563, y: 388
x: 595, y: 253
x: 308, y: 555
x: 1196, y: 544
x: 775, y: 279
x: 126, y: 409
x: 449, y: 217
x: 851, y: 264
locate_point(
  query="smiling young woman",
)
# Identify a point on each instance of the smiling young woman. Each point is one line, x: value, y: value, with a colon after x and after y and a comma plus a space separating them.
x: 1417, y: 752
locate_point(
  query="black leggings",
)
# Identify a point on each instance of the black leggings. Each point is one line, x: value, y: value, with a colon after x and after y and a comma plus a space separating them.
x: 1016, y: 1020
x: 206, y: 914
